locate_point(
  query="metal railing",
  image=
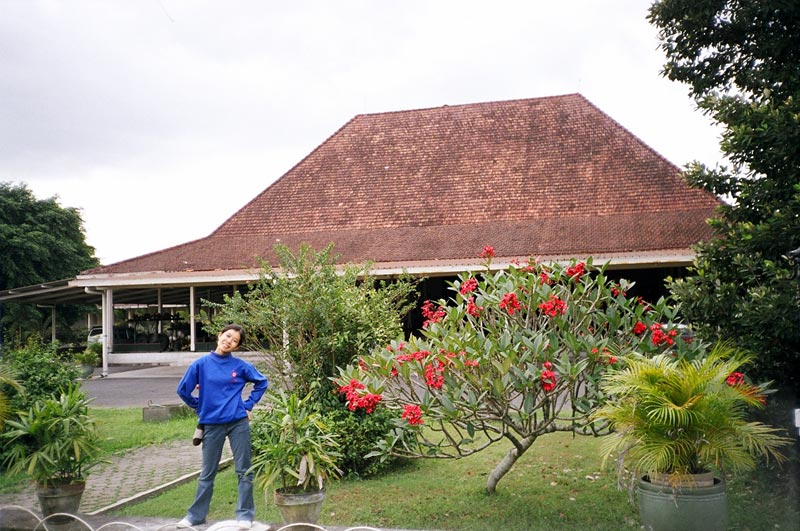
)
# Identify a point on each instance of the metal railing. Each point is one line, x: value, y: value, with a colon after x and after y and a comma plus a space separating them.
x: 18, y: 517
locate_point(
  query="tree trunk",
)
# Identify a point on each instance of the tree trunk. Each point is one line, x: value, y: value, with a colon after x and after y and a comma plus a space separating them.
x: 507, y: 462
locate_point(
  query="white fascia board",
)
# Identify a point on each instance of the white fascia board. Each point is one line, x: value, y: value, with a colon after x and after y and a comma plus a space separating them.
x: 163, y: 278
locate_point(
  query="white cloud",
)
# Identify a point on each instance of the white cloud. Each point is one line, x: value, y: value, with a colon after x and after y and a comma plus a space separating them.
x: 161, y: 118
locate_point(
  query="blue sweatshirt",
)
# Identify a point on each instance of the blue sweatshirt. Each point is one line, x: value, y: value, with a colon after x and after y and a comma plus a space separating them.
x: 221, y: 380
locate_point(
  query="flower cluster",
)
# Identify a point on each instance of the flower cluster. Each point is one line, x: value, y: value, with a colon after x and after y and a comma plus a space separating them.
x: 660, y: 337
x: 488, y: 252
x: 434, y: 374
x: 413, y: 414
x: 473, y: 309
x: 468, y: 286
x: 553, y: 306
x: 418, y: 355
x: 639, y: 328
x: 510, y: 303
x: 431, y: 316
x: 548, y: 377
x: 356, y: 399
x: 577, y: 271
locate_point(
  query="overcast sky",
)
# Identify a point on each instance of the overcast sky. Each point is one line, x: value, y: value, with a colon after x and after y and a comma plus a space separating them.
x: 159, y: 119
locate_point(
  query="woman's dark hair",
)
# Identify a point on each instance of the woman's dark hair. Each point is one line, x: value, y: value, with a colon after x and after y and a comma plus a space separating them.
x: 235, y: 328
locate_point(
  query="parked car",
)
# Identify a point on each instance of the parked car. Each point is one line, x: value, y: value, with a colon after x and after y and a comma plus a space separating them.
x: 95, y: 335
x: 121, y: 335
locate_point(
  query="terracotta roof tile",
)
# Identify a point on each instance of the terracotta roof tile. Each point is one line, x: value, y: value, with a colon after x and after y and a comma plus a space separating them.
x: 540, y: 176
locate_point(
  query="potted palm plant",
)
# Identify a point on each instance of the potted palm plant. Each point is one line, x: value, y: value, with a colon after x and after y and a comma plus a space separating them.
x: 294, y: 454
x: 54, y: 442
x: 677, y: 423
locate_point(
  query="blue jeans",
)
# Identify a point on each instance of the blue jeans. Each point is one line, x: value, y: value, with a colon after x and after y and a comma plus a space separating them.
x: 238, y: 433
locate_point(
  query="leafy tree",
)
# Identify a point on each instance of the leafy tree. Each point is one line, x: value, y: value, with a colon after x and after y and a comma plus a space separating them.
x: 40, y: 241
x: 512, y: 355
x: 311, y: 317
x: 740, y: 60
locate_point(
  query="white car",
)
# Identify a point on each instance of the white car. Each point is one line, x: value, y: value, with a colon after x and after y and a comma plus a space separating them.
x: 95, y: 335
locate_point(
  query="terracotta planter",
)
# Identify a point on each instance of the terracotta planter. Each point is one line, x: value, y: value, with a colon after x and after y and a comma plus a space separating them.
x: 302, y: 507
x: 670, y: 507
x: 60, y: 499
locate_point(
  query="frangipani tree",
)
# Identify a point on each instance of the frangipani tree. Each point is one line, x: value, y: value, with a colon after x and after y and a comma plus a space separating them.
x: 513, y: 354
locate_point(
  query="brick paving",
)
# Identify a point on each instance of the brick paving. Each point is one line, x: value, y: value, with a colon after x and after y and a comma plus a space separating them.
x: 130, y: 477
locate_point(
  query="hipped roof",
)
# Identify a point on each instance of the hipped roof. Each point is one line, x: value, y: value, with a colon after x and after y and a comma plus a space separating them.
x: 543, y: 177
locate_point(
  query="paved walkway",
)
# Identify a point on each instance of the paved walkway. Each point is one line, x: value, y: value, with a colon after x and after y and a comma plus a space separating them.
x: 137, y: 474
x: 131, y: 477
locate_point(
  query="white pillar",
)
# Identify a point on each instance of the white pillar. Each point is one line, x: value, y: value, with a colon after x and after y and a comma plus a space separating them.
x: 160, y: 309
x: 105, y: 335
x: 191, y: 319
x: 109, y: 327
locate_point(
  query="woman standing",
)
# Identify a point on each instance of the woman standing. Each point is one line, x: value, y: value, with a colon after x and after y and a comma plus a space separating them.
x: 220, y: 379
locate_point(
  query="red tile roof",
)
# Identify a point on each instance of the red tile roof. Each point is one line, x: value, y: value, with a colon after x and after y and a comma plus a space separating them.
x: 535, y: 177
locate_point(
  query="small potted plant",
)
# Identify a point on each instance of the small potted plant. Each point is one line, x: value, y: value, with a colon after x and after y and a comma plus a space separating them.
x: 54, y: 442
x: 88, y: 358
x: 676, y: 424
x: 294, y: 454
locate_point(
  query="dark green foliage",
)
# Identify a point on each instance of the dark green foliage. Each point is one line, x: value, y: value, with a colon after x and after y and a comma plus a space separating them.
x: 740, y: 60
x: 361, y: 432
x: 40, y: 241
x: 40, y: 369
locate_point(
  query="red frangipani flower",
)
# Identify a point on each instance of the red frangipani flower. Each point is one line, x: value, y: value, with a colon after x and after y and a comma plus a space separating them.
x: 510, y: 303
x: 413, y: 414
x: 473, y: 309
x: 553, y: 306
x: 468, y: 286
x: 356, y: 399
x: 577, y: 271
x: 548, y: 380
x: 431, y: 315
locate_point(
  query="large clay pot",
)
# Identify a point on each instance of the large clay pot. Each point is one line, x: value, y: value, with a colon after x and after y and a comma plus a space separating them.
x: 301, y: 507
x: 60, y: 499
x: 682, y: 508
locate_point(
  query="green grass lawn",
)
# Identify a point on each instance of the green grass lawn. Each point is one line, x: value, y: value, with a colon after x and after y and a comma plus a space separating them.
x: 122, y: 429
x: 557, y: 485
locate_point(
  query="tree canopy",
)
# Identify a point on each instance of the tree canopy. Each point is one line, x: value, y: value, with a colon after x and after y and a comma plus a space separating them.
x: 511, y: 356
x: 740, y: 62
x: 40, y: 241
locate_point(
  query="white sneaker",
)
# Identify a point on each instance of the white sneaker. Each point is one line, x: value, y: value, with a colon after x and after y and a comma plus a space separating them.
x: 244, y: 524
x: 184, y: 523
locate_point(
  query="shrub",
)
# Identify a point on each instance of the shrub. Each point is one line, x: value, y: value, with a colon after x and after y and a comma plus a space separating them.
x: 42, y: 373
x: 41, y: 370
x: 361, y: 431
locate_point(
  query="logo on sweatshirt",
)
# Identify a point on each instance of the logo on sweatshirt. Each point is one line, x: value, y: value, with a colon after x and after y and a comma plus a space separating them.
x: 234, y: 374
